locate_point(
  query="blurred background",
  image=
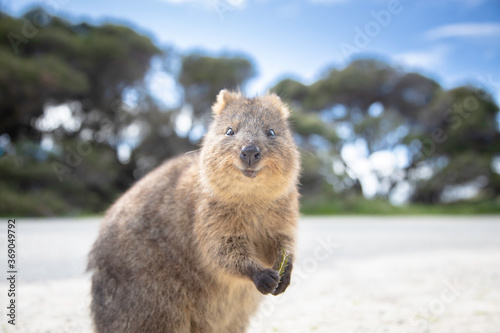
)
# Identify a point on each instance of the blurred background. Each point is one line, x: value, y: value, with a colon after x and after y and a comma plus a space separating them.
x: 395, y: 102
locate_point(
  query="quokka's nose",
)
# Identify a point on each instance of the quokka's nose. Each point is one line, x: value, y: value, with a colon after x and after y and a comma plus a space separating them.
x: 250, y: 154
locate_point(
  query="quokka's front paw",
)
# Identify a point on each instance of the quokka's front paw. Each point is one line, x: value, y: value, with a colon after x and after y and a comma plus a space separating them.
x: 285, y: 280
x: 266, y: 280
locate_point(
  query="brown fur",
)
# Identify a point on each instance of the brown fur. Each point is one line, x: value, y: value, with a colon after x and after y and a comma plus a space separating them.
x: 189, y: 247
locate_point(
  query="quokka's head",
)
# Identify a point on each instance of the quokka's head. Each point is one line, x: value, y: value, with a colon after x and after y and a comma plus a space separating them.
x: 249, y: 150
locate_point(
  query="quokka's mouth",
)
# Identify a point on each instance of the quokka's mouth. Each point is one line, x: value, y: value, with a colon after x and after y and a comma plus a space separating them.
x: 250, y: 173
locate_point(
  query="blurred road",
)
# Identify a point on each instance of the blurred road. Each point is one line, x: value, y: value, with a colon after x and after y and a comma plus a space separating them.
x: 352, y: 274
x: 51, y: 249
x: 57, y: 248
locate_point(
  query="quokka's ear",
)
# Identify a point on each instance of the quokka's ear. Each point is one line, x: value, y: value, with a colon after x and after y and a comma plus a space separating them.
x: 223, y: 99
x: 276, y: 102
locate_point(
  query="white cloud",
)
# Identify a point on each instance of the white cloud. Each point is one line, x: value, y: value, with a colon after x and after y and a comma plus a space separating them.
x: 211, y: 3
x: 464, y: 30
x: 430, y: 59
x: 184, y: 121
x: 384, y: 162
x: 329, y: 1
x: 164, y: 88
x: 175, y: 1
x: 60, y: 115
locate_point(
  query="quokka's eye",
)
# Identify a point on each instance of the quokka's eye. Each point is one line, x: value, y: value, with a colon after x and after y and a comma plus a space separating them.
x: 271, y: 133
x: 229, y: 131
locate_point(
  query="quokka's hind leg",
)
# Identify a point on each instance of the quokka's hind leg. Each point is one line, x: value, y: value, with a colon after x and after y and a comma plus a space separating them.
x: 104, y: 306
x: 129, y: 306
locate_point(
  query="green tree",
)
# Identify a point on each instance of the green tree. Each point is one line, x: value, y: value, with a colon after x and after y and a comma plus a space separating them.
x: 450, y: 137
x: 46, y: 61
x: 203, y: 77
x: 58, y: 62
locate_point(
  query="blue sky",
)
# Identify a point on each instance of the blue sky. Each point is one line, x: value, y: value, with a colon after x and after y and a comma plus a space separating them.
x: 453, y: 41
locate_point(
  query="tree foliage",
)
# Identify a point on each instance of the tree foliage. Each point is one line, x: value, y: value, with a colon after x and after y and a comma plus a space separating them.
x: 451, y: 135
x: 367, y: 127
x: 59, y: 62
x: 202, y: 77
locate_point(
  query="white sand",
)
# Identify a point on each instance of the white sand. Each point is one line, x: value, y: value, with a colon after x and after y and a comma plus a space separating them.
x: 352, y: 275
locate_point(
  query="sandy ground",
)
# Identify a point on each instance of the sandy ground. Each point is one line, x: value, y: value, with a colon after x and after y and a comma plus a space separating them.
x: 353, y: 274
